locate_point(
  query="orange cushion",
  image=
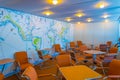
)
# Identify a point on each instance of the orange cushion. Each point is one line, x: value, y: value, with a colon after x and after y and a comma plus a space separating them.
x: 113, y: 50
x: 63, y: 60
x: 62, y: 52
x: 1, y: 76
x: 24, y: 66
x: 114, y: 67
x: 31, y: 73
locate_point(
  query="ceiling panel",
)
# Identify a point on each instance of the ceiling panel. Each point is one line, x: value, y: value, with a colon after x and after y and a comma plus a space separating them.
x: 67, y: 9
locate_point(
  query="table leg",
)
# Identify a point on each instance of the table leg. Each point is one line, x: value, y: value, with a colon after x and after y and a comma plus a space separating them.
x: 94, y: 61
x: 94, y: 57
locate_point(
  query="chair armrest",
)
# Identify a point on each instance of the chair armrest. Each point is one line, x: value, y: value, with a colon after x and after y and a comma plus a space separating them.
x: 73, y: 63
x: 113, y: 76
x: 102, y: 67
x: 111, y: 54
x: 29, y: 58
x: 42, y: 75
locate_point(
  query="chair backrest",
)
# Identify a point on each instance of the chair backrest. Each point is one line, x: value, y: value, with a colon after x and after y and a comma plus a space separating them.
x: 30, y: 73
x: 103, y: 47
x: 114, y: 67
x: 40, y: 54
x: 64, y: 60
x: 72, y: 45
x: 109, y: 43
x: 21, y: 57
x: 79, y: 43
x: 113, y: 50
x: 83, y: 48
x: 73, y: 57
x: 57, y: 47
x: 1, y: 76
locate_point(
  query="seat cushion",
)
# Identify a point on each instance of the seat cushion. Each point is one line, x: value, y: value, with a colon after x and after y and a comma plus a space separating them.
x: 24, y: 66
x: 46, y: 57
x: 62, y: 52
x: 1, y: 76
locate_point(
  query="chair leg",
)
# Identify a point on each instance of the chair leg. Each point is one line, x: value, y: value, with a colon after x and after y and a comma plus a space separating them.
x: 103, y: 69
x: 18, y: 76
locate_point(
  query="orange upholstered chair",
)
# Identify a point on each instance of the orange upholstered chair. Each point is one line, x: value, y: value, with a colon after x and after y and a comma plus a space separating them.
x: 44, y: 56
x: 64, y: 60
x: 77, y: 57
x: 72, y: 45
x: 103, y: 47
x: 1, y: 76
x: 114, y: 70
x: 79, y: 43
x: 109, y: 43
x: 82, y: 49
x: 58, y: 49
x: 111, y: 55
x: 30, y: 74
x: 113, y: 50
x: 22, y: 60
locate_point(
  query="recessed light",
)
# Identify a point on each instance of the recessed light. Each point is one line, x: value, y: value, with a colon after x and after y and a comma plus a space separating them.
x: 55, y: 2
x: 79, y: 14
x: 78, y: 22
x: 101, y: 4
x: 68, y: 19
x: 89, y: 20
x: 106, y: 20
x: 105, y: 16
x: 47, y: 13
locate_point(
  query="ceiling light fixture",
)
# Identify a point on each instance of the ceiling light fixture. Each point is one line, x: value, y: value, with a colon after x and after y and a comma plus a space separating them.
x: 106, y: 21
x: 89, y: 19
x: 78, y: 22
x: 55, y: 2
x: 79, y: 14
x: 68, y: 19
x: 105, y: 16
x: 102, y: 5
x: 47, y: 13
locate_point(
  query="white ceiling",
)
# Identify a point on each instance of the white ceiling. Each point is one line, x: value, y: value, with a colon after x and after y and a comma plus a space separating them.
x: 67, y: 9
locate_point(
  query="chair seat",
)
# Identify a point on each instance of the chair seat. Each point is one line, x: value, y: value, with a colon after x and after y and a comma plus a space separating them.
x: 80, y: 59
x: 88, y: 55
x: 24, y: 66
x: 47, y: 56
x: 1, y: 76
x: 62, y: 52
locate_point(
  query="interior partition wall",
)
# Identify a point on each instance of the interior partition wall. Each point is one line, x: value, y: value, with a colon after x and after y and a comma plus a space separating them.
x: 97, y: 33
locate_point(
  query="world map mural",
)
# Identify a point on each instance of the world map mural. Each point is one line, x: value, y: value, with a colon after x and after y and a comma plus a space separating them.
x: 22, y: 32
x: 26, y: 32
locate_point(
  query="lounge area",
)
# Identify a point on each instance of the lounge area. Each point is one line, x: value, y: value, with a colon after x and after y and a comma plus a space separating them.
x: 59, y: 40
